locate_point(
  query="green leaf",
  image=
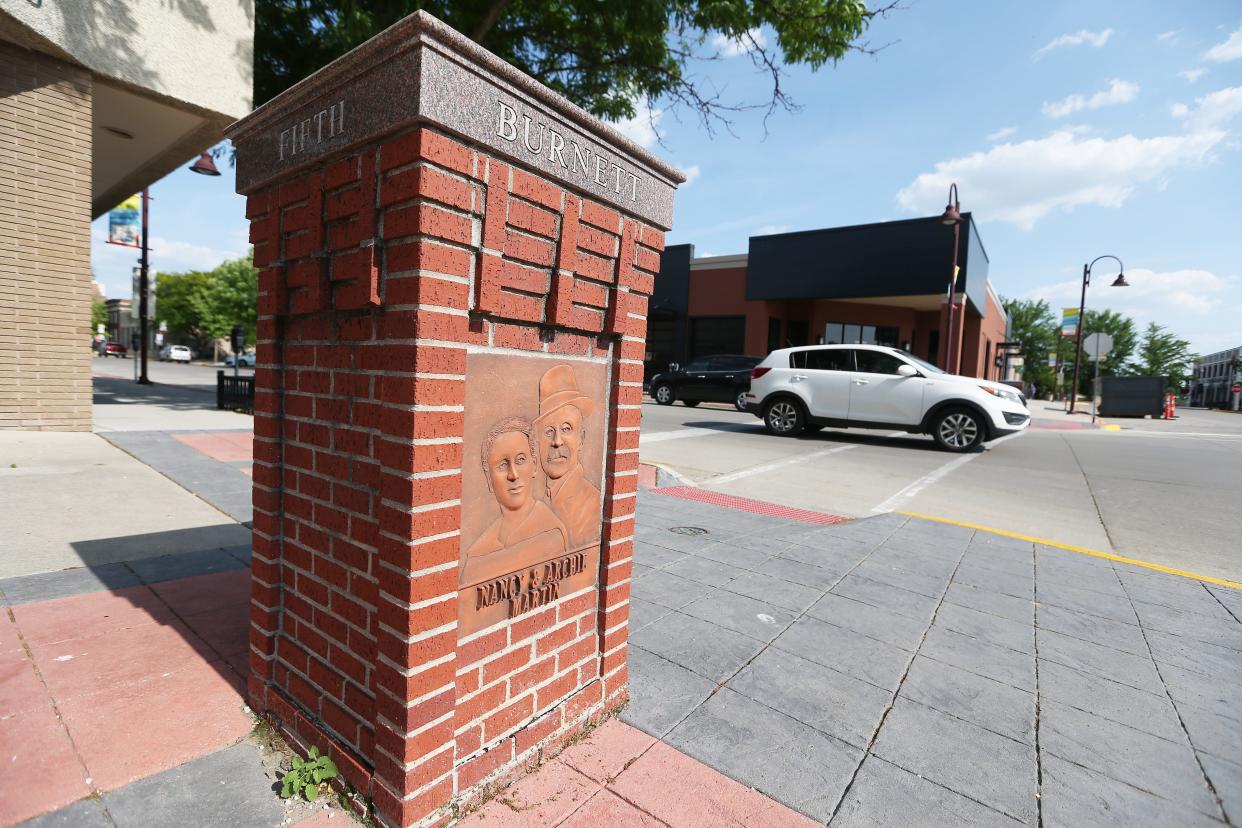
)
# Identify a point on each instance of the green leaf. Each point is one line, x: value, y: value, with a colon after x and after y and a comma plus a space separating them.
x: 312, y: 792
x: 297, y: 762
x: 314, y: 753
x: 286, y: 790
x: 329, y: 767
x: 317, y: 775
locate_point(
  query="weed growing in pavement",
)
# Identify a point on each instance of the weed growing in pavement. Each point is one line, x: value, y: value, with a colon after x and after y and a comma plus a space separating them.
x: 307, y: 775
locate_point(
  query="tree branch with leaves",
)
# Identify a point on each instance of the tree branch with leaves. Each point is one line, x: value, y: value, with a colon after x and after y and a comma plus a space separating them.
x: 612, y: 59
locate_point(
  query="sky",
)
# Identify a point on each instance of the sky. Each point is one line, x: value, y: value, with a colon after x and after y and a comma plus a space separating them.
x: 1072, y: 130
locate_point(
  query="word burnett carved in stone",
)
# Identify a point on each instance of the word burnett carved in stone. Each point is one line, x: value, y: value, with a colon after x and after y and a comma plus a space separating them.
x: 538, y: 138
x: 310, y: 131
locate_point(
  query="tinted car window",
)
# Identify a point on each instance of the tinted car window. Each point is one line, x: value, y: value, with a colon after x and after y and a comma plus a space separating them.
x: 827, y: 359
x: 697, y: 365
x: 877, y: 362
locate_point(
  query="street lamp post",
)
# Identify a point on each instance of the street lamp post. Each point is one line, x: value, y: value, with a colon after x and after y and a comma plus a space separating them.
x: 1120, y: 281
x: 952, y: 217
x: 203, y: 166
x: 144, y: 288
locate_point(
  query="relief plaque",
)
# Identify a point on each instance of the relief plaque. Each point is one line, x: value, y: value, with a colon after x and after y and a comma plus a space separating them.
x: 532, y: 471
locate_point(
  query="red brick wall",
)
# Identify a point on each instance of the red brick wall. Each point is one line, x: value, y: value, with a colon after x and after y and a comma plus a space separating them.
x: 378, y: 271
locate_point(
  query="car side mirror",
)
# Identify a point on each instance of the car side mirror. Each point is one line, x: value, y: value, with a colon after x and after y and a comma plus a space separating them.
x: 908, y: 371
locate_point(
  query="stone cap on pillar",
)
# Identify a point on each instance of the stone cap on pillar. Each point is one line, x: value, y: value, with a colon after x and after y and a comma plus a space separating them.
x: 421, y: 71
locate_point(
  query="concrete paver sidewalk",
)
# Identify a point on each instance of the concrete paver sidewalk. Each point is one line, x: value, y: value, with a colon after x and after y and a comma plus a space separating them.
x: 986, y: 679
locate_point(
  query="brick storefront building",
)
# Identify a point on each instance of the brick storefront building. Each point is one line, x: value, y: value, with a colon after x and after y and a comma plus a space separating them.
x: 881, y: 283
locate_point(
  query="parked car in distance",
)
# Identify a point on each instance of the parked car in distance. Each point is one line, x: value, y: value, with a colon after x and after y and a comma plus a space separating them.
x: 115, y: 349
x: 245, y: 360
x: 871, y: 386
x: 176, y: 353
x: 721, y: 378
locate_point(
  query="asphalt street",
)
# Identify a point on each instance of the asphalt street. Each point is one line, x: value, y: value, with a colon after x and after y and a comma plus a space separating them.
x: 1159, y: 491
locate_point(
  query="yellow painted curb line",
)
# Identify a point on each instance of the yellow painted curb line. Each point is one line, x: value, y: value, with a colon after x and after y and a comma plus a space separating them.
x: 1081, y: 550
x: 1111, y: 427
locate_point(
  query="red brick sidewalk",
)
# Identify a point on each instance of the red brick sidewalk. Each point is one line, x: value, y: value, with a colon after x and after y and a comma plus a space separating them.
x: 103, y: 689
x: 621, y: 776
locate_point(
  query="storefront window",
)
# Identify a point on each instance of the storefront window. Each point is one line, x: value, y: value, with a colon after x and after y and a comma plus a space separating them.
x: 838, y: 333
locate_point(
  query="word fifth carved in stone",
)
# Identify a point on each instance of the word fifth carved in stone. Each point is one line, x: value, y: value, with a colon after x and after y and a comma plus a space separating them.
x: 324, y: 124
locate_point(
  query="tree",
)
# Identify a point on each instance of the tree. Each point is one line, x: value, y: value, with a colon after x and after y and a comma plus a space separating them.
x: 1032, y: 324
x: 1162, y: 354
x: 607, y: 57
x: 1125, y: 339
x: 179, y: 296
x: 230, y: 297
x: 99, y: 314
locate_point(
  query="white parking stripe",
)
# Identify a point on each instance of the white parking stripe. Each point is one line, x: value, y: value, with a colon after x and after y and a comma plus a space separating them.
x: 683, y: 433
x: 780, y: 464
x: 935, y: 474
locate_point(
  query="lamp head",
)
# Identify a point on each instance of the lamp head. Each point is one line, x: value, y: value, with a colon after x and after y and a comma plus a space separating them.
x: 1120, y: 281
x: 951, y: 215
x: 205, y: 165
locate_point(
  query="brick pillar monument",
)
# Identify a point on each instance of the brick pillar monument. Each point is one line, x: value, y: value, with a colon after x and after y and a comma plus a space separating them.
x: 455, y: 265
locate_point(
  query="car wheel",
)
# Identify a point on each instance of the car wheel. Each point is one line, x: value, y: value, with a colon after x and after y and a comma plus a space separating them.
x: 663, y: 394
x: 784, y: 418
x: 958, y: 430
x: 739, y: 402
x: 690, y: 403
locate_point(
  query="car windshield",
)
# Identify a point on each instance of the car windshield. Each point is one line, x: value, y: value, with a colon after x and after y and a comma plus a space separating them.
x: 924, y: 364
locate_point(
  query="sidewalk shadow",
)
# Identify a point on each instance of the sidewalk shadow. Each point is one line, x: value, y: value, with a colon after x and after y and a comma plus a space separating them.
x: 202, y: 591
x: 111, y: 391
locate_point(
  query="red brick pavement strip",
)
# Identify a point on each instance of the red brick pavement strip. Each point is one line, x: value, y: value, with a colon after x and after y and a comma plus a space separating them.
x: 621, y: 776
x: 225, y: 446
x: 103, y: 689
x: 747, y: 505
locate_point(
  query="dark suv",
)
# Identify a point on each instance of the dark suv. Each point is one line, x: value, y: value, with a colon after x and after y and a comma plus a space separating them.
x: 723, y: 378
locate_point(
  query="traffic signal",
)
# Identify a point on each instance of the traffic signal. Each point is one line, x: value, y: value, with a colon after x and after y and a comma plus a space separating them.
x: 238, y: 338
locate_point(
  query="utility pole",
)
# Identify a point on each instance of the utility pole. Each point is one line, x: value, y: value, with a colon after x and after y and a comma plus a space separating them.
x: 144, y: 289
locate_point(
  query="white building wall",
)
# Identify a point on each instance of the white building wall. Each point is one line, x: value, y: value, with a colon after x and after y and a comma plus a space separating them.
x: 196, y: 51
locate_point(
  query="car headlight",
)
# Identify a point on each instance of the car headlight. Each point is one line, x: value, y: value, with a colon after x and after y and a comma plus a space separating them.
x: 1003, y: 393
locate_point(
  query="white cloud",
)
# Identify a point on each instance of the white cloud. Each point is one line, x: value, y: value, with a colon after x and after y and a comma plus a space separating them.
x: 1165, y: 37
x: 743, y: 45
x: 772, y: 229
x: 1229, y: 49
x: 691, y: 172
x: 1212, y: 110
x: 1118, y: 92
x: 1094, y: 39
x: 1001, y: 133
x: 113, y: 265
x: 641, y: 128
x: 1151, y: 295
x: 1023, y: 182
x: 1191, y: 75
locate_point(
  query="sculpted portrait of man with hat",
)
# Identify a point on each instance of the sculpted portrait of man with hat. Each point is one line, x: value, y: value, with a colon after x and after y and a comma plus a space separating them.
x: 526, y: 530
x: 561, y: 432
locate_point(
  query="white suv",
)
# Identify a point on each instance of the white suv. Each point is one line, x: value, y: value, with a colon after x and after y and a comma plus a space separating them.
x: 175, y: 353
x: 870, y: 386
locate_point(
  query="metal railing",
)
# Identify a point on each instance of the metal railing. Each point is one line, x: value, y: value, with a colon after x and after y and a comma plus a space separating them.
x: 234, y: 393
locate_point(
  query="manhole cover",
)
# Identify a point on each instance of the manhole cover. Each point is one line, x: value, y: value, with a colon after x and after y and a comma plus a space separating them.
x: 688, y: 530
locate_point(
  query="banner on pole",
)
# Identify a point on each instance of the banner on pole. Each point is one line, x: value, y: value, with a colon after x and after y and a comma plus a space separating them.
x: 1069, y: 322
x: 1052, y: 359
x: 125, y: 223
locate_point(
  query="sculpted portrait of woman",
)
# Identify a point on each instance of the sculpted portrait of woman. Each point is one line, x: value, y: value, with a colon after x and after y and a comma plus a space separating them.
x: 526, y: 531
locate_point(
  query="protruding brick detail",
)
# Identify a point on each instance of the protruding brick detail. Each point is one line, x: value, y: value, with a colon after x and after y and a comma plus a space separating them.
x: 379, y: 270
